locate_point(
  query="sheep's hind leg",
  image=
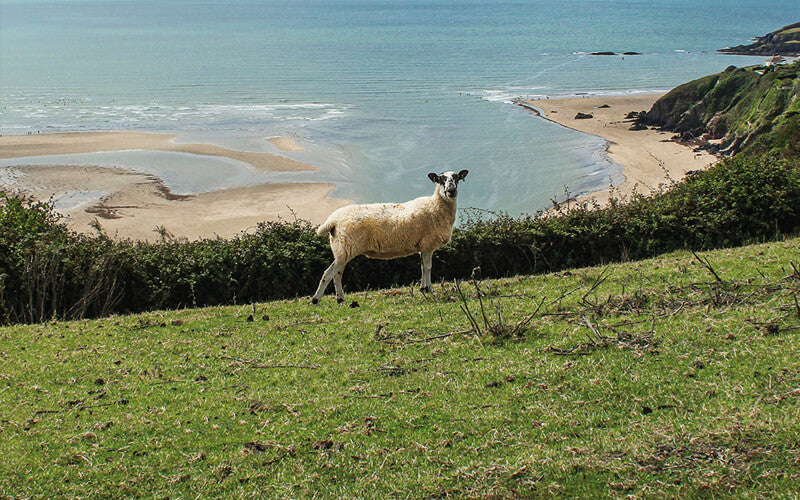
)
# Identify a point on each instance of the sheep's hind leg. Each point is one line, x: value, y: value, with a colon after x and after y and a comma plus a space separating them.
x: 327, y: 276
x: 427, y: 260
x: 337, y: 284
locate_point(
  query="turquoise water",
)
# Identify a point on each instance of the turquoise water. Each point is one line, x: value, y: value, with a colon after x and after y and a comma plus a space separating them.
x: 379, y: 91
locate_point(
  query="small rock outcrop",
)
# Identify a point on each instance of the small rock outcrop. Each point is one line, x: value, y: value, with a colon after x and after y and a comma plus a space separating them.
x: 637, y: 126
x: 609, y: 53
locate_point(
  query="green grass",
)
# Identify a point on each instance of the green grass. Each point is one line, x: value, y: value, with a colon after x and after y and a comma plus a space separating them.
x: 792, y: 31
x: 678, y: 376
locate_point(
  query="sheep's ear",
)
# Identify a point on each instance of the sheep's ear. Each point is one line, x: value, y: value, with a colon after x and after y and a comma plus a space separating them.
x: 433, y: 177
x: 462, y: 174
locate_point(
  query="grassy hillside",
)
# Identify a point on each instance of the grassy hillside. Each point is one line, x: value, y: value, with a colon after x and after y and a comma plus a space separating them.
x: 676, y: 376
x: 741, y: 106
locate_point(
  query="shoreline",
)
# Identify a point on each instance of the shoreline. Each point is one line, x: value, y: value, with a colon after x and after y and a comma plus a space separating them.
x: 129, y: 204
x: 649, y: 158
x: 132, y: 204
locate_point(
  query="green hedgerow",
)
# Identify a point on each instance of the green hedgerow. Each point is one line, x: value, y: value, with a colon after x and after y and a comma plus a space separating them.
x: 47, y: 272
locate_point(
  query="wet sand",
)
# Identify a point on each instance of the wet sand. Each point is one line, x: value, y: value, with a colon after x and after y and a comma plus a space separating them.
x: 286, y: 144
x: 136, y: 205
x: 129, y: 204
x: 649, y: 158
x: 15, y: 146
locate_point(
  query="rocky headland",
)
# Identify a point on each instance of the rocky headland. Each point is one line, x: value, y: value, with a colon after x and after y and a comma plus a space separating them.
x: 783, y: 42
x: 728, y: 112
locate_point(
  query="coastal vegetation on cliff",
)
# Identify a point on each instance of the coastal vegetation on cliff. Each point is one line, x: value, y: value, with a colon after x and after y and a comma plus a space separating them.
x: 727, y: 112
x: 785, y: 41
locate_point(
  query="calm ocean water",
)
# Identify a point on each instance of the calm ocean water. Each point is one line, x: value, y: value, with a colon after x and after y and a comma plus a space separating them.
x: 379, y: 91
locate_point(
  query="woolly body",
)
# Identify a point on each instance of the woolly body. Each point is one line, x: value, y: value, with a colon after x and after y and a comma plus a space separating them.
x: 391, y: 230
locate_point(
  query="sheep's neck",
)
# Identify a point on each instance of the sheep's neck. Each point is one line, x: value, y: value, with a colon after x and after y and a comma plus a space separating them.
x: 447, y: 206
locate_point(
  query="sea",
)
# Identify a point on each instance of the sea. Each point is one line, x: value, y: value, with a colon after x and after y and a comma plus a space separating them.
x: 379, y: 92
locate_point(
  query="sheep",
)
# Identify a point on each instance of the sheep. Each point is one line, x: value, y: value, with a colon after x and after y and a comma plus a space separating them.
x: 391, y: 230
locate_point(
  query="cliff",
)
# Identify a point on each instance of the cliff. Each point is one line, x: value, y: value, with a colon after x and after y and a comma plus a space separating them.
x: 784, y: 42
x: 734, y: 110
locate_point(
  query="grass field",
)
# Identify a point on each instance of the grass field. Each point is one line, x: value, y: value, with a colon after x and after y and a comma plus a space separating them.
x: 678, y: 376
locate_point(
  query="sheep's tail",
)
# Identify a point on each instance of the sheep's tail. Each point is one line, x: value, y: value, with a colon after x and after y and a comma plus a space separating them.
x: 329, y: 227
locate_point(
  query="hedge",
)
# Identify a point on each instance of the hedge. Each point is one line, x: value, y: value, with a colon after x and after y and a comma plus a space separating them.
x: 48, y: 272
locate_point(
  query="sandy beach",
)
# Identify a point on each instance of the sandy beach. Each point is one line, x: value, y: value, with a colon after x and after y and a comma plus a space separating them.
x: 16, y: 146
x: 129, y: 204
x: 649, y: 158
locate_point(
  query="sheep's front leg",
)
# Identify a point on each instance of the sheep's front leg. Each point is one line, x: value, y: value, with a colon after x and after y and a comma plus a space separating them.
x: 427, y: 260
x: 334, y: 270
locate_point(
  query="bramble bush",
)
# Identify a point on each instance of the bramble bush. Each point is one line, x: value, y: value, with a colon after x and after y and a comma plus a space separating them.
x: 48, y: 272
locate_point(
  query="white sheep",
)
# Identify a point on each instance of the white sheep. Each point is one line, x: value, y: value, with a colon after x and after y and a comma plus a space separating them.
x: 391, y: 230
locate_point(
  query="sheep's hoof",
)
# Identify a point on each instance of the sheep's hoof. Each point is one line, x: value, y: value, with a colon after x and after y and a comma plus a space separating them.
x: 315, y: 301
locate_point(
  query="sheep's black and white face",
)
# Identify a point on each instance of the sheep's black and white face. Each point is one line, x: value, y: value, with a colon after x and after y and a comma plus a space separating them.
x: 448, y: 182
